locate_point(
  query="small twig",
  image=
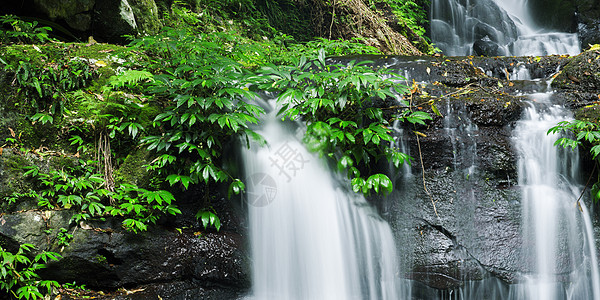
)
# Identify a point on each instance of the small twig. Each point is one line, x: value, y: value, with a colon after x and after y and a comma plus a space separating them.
x: 422, y: 165
x: 423, y: 175
x: 585, y: 188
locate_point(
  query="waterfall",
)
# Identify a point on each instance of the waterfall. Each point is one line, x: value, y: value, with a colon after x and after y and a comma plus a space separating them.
x: 494, y: 28
x: 312, y: 237
x: 558, y: 251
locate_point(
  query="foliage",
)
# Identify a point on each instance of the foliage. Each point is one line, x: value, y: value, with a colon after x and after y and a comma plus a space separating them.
x: 18, y: 273
x: 204, y: 106
x: 42, y: 83
x: 84, y: 191
x: 16, y: 31
x: 63, y: 237
x: 581, y: 133
x: 332, y: 48
x: 411, y: 13
x: 288, y: 16
x: 343, y: 109
x: 209, y: 218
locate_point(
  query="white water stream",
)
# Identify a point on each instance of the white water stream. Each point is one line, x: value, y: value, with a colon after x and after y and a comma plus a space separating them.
x: 312, y: 238
x: 456, y: 25
x: 558, y: 246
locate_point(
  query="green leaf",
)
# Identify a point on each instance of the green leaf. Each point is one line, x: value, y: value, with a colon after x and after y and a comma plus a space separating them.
x: 436, y: 110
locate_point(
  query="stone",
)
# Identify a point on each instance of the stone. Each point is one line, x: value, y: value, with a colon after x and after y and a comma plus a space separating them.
x: 486, y: 47
x: 63, y: 9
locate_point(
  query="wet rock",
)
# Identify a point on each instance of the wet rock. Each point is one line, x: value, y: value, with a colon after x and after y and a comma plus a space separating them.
x: 106, y: 20
x: 107, y: 260
x: 75, y: 12
x: 581, y: 73
x: 588, y: 21
x: 115, y: 18
x: 557, y: 15
x: 486, y: 47
x: 474, y: 235
x: 490, y: 13
x: 482, y: 31
x: 101, y: 255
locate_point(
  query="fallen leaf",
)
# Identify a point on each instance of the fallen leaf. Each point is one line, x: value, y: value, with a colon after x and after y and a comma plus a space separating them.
x: 573, y: 78
x: 100, y: 63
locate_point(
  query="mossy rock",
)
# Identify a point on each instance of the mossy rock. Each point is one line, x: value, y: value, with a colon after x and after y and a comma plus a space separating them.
x: 11, y: 173
x: 133, y: 170
x: 146, y: 16
x: 13, y: 163
x: 590, y: 113
x: 582, y: 73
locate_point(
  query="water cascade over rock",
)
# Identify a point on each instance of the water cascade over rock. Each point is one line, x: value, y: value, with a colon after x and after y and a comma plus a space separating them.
x: 312, y: 238
x: 558, y: 249
x: 494, y: 28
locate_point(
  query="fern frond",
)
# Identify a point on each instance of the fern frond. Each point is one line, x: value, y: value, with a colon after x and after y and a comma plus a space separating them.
x: 129, y: 77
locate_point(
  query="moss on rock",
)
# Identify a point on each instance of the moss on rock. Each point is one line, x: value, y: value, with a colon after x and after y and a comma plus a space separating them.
x: 581, y: 73
x: 133, y: 170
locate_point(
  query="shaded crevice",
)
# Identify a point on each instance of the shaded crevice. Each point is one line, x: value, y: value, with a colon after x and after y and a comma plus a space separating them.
x: 443, y: 231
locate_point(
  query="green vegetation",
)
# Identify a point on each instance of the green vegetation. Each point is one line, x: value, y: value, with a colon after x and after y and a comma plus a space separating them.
x: 582, y: 133
x: 342, y: 106
x: 186, y: 95
x: 19, y: 31
x: 18, y: 273
x: 169, y: 105
x: 410, y: 13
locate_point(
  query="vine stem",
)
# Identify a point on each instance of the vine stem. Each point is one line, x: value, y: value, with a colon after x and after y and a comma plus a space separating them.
x: 423, y: 176
x: 585, y: 188
x: 332, y: 18
x: 421, y: 159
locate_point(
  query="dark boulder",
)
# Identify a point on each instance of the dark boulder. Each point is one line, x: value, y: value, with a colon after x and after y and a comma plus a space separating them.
x: 106, y: 20
x: 486, y: 47
x: 588, y: 21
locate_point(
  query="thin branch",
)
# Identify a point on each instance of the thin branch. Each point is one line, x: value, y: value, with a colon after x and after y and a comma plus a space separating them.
x: 585, y: 188
x: 332, y: 19
x: 423, y: 176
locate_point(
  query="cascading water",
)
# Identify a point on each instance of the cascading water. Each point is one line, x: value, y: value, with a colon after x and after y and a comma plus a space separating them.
x: 558, y: 244
x: 494, y: 27
x: 311, y: 238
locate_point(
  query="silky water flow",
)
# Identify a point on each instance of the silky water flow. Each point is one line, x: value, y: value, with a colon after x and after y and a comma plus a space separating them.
x: 311, y: 236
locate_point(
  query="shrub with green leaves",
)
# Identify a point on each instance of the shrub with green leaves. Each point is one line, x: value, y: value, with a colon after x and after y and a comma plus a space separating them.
x: 18, y: 273
x: 14, y: 30
x: 585, y: 134
x: 343, y: 108
x: 200, y: 87
x: 83, y: 190
x: 42, y: 81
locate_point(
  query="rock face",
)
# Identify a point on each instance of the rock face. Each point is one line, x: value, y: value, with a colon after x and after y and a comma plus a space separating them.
x: 588, y: 21
x: 160, y: 262
x: 465, y: 228
x: 106, y: 20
